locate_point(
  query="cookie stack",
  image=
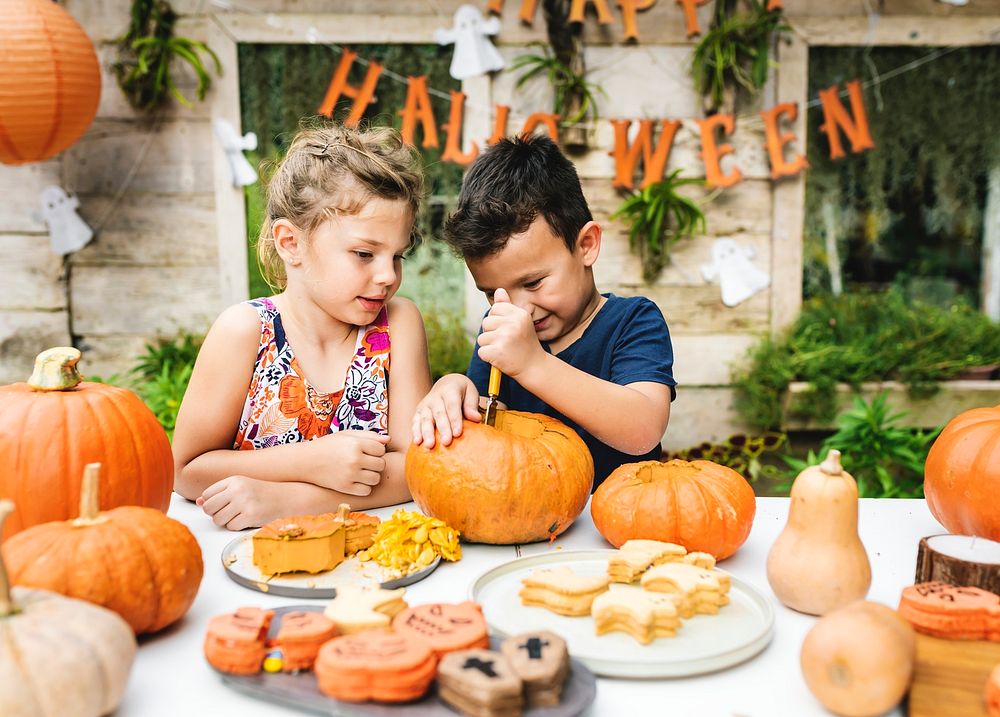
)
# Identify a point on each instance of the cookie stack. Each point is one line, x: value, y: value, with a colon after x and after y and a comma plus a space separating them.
x: 643, y: 615
x: 694, y: 589
x: 300, y: 636
x: 480, y: 683
x: 375, y: 665
x: 357, y: 608
x: 952, y: 613
x: 444, y: 627
x: 635, y: 557
x: 541, y: 660
x: 237, y: 642
x: 562, y: 591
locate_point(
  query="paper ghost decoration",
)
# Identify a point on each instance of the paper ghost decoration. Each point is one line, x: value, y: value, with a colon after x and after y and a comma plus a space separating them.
x: 67, y: 231
x: 474, y: 53
x: 234, y: 146
x: 738, y: 278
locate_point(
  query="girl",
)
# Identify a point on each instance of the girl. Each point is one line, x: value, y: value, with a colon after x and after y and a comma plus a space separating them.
x: 317, y: 356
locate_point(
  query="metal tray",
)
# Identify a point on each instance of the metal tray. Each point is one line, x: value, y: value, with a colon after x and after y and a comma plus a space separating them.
x: 704, y: 643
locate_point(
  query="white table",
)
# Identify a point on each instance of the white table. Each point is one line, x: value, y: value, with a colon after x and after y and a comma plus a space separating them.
x: 170, y: 677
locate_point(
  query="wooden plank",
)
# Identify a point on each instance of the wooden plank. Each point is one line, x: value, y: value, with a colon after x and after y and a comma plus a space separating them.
x: 176, y: 159
x: 898, y: 30
x: 991, y: 247
x: 143, y: 229
x: 950, y: 677
x: 707, y: 359
x: 114, y: 105
x: 953, y: 398
x: 107, y: 20
x: 111, y: 358
x: 841, y: 8
x: 789, y: 193
x: 143, y: 300
x: 701, y: 414
x: 33, y: 277
x: 25, y: 334
x: 699, y: 309
x: 21, y: 187
x: 230, y: 201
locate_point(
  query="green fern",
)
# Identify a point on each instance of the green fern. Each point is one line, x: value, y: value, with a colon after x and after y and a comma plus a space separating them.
x: 659, y: 217
x: 568, y: 86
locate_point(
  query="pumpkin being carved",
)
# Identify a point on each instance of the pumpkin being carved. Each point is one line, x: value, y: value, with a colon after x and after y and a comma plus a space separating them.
x: 54, y: 425
x: 133, y: 560
x: 59, y: 657
x: 962, y: 474
x: 524, y: 480
x: 701, y: 505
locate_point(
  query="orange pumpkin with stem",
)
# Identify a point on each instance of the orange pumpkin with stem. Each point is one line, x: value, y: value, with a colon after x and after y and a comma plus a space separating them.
x: 701, y: 505
x: 962, y: 474
x: 524, y: 480
x: 133, y: 560
x: 55, y: 424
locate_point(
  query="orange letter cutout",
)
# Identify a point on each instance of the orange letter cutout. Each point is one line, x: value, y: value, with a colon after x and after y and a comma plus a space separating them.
x: 691, y: 16
x: 578, y: 6
x: 418, y: 107
x: 499, y: 124
x: 629, y: 9
x: 835, y: 115
x: 773, y: 5
x: 776, y: 141
x: 527, y: 13
x: 538, y: 118
x: 627, y: 157
x: 338, y: 87
x: 712, y: 152
x: 452, y: 147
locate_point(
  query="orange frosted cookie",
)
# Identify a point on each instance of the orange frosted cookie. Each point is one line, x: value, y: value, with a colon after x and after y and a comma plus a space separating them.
x: 237, y: 642
x: 956, y: 613
x: 992, y: 693
x: 356, y: 608
x: 562, y: 591
x: 444, y: 627
x: 375, y: 665
x: 300, y: 635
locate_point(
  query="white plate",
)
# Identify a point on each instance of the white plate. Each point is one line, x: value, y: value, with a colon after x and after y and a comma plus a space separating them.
x: 704, y: 643
x: 237, y: 559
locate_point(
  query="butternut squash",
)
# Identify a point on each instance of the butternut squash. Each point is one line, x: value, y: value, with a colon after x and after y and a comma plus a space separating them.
x: 818, y: 563
x: 858, y: 660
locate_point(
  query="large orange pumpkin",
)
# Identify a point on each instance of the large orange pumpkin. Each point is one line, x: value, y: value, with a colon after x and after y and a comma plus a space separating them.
x: 54, y: 425
x: 50, y: 81
x: 699, y: 504
x: 133, y: 560
x: 962, y: 474
x: 526, y: 479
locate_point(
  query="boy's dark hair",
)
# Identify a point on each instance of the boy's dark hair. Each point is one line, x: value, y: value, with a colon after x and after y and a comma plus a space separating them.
x: 505, y: 190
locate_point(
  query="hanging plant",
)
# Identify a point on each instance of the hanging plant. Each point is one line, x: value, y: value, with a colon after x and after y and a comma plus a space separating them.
x: 659, y: 218
x: 147, y: 51
x: 735, y: 52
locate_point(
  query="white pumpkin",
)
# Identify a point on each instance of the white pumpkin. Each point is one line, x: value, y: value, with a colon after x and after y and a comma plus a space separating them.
x: 59, y: 657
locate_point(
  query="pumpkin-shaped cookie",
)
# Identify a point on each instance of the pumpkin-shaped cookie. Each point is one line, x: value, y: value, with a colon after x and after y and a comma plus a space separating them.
x: 237, y: 642
x: 375, y: 665
x: 444, y: 627
x: 136, y: 561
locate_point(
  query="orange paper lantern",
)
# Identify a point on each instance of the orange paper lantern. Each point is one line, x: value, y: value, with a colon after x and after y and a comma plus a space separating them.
x: 50, y: 81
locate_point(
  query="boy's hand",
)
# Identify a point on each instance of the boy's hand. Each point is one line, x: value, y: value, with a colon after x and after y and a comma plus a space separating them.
x: 508, y: 340
x: 452, y: 398
x: 351, y: 462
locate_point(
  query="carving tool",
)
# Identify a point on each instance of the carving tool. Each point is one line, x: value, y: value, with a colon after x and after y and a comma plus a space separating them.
x: 490, y: 417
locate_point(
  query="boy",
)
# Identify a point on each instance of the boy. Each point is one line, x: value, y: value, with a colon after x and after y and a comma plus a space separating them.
x: 600, y: 363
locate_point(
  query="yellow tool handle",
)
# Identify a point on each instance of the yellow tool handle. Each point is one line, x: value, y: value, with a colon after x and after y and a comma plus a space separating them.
x: 494, y: 389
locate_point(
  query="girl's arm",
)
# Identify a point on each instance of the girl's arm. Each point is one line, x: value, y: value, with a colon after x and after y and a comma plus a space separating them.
x: 410, y: 381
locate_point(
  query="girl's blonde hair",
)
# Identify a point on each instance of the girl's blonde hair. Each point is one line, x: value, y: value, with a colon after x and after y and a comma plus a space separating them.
x: 335, y: 170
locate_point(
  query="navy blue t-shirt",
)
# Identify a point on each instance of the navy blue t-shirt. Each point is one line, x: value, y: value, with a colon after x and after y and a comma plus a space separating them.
x: 626, y: 342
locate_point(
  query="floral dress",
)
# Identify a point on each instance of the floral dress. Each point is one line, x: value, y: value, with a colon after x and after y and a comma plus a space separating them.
x: 282, y: 407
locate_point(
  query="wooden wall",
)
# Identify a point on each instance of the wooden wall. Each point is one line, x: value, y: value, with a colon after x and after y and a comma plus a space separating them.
x: 167, y: 256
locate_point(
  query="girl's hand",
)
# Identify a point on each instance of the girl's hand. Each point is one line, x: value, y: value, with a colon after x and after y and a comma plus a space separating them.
x: 508, y: 340
x: 239, y: 502
x: 351, y: 462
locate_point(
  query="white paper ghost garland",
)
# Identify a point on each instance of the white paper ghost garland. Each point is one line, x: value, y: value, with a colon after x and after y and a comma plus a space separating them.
x: 738, y: 278
x: 67, y: 231
x: 233, y: 145
x: 474, y: 54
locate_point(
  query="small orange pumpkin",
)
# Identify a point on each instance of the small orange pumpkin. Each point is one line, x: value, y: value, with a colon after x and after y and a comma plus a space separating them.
x: 962, y: 474
x: 133, y: 560
x: 701, y: 505
x: 54, y: 425
x: 524, y: 480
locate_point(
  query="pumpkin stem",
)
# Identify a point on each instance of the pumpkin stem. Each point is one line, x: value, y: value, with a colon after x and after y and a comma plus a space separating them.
x: 55, y: 370
x: 831, y: 466
x: 90, y: 506
x: 7, y: 606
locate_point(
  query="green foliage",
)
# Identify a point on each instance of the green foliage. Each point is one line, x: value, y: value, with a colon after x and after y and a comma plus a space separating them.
x: 447, y: 345
x: 148, y: 49
x: 886, y: 459
x: 735, y: 50
x: 912, y: 208
x: 571, y: 89
x: 660, y: 217
x: 160, y: 376
x: 860, y: 337
x: 739, y: 452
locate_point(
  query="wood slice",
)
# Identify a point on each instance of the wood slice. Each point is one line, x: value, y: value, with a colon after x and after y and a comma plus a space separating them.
x: 961, y: 560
